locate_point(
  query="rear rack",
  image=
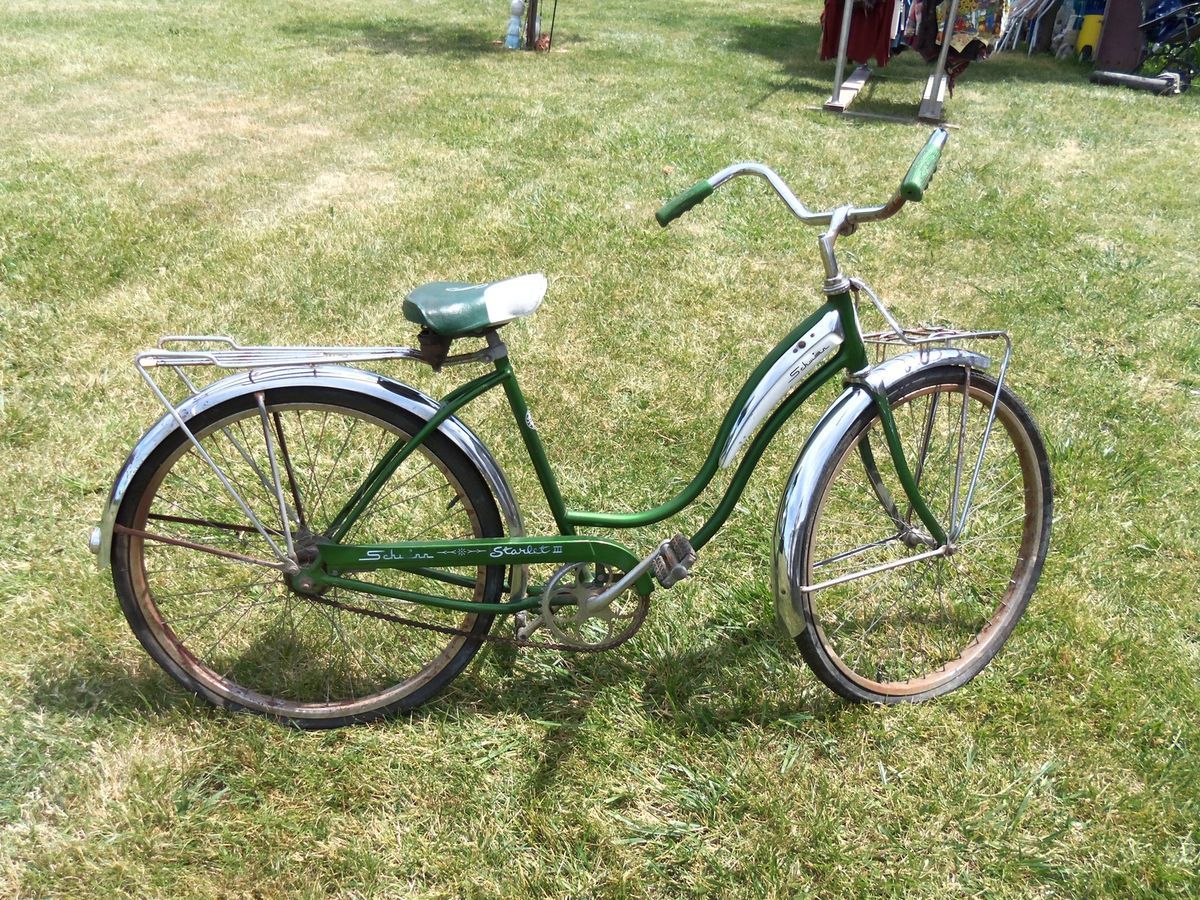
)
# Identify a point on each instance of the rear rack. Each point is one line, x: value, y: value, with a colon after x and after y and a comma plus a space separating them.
x: 229, y: 354
x: 181, y: 353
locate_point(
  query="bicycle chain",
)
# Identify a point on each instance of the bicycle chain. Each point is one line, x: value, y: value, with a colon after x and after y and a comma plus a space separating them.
x: 639, y: 617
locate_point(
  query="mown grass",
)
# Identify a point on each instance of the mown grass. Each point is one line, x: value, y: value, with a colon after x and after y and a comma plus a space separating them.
x: 285, y: 171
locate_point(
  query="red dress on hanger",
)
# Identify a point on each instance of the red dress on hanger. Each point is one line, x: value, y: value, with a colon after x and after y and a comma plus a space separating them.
x: 870, y: 30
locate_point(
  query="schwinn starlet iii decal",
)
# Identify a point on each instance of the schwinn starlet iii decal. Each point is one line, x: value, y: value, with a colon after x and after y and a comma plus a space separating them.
x: 392, y: 555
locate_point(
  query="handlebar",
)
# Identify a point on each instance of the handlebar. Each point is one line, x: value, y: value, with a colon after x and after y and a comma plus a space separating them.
x: 920, y: 173
x: 681, y: 203
x: 912, y: 188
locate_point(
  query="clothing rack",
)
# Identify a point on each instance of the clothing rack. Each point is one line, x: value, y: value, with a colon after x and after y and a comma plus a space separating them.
x: 846, y: 89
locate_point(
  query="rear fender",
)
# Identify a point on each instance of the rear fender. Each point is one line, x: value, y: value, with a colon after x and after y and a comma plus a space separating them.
x: 345, y: 378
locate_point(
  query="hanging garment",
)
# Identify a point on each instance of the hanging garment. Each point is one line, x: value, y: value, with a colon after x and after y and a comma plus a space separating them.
x: 978, y: 20
x: 870, y: 30
x: 976, y: 27
x: 921, y: 30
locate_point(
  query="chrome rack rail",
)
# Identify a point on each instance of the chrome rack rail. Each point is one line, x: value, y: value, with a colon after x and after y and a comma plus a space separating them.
x: 233, y: 355
x: 180, y: 352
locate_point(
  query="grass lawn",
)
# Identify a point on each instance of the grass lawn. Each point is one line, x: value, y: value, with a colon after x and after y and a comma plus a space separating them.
x: 286, y: 171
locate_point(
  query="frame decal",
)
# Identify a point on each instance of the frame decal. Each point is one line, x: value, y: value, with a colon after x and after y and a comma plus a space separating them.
x: 801, y: 359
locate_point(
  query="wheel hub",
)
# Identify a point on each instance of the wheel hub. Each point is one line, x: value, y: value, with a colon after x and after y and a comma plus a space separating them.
x: 301, y: 582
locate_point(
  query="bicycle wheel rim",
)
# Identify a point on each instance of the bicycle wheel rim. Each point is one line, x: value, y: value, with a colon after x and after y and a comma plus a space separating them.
x: 831, y: 613
x: 394, y: 647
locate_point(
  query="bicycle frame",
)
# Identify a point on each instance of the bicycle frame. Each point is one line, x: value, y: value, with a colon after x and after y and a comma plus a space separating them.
x: 827, y: 342
x: 813, y: 353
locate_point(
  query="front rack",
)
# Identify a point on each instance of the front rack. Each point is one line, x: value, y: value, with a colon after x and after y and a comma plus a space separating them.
x: 922, y: 338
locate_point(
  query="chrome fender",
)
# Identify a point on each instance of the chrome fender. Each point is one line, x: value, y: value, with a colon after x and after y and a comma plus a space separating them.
x: 799, y: 499
x: 358, y: 381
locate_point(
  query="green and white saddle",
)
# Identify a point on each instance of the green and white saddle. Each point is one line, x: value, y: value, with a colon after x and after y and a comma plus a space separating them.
x: 453, y: 308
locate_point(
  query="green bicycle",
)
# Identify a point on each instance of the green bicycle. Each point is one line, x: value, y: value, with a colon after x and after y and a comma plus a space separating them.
x: 314, y: 542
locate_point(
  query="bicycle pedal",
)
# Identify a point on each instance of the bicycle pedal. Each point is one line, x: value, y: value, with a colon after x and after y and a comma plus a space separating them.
x: 675, y: 561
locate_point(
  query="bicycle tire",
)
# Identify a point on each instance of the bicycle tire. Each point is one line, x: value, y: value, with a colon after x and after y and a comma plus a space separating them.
x: 958, y: 610
x: 255, y: 643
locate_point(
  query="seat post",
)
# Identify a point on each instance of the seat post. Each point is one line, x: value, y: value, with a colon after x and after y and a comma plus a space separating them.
x: 498, y: 349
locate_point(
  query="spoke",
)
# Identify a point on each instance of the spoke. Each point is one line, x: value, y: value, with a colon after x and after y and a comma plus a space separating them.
x: 990, y: 532
x: 851, y: 553
x: 245, y: 454
x: 172, y: 504
x: 187, y: 567
x: 314, y: 478
x: 958, y: 465
x: 412, y: 497
x: 341, y: 453
x: 261, y: 601
x: 206, y: 523
x: 999, y: 495
x: 220, y: 451
x: 923, y: 449
x: 208, y: 653
x: 239, y: 499
x: 146, y: 535
x: 241, y: 586
x: 287, y: 465
x: 270, y: 445
x: 377, y: 506
x: 336, y: 622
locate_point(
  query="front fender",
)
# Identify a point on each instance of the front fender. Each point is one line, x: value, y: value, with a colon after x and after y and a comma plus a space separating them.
x: 356, y: 380
x: 799, y: 500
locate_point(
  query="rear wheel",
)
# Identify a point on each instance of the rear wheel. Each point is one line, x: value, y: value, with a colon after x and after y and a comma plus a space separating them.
x: 243, y: 635
x: 923, y: 628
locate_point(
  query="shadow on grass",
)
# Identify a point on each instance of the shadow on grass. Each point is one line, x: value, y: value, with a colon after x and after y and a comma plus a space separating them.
x: 399, y: 36
x: 102, y: 686
x: 1016, y: 66
x: 722, y: 685
x: 560, y: 689
x: 713, y: 689
x: 794, y: 46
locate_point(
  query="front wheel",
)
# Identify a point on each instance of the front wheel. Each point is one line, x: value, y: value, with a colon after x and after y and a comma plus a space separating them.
x: 919, y: 629
x: 191, y: 567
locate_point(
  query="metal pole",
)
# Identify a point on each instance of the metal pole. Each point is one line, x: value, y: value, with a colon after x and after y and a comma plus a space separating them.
x: 531, y: 24
x: 843, y: 42
x: 931, y: 103
x: 553, y: 16
x: 940, y: 72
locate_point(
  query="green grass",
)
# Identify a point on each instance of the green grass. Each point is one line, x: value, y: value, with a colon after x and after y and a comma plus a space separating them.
x: 286, y: 171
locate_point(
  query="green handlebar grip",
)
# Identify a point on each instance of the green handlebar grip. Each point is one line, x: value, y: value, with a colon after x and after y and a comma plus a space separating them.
x: 681, y: 203
x: 921, y: 171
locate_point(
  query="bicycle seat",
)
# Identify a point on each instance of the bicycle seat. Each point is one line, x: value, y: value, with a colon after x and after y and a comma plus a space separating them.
x: 455, y: 308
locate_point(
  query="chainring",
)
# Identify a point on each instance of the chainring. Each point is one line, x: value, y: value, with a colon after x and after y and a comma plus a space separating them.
x: 573, y: 614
